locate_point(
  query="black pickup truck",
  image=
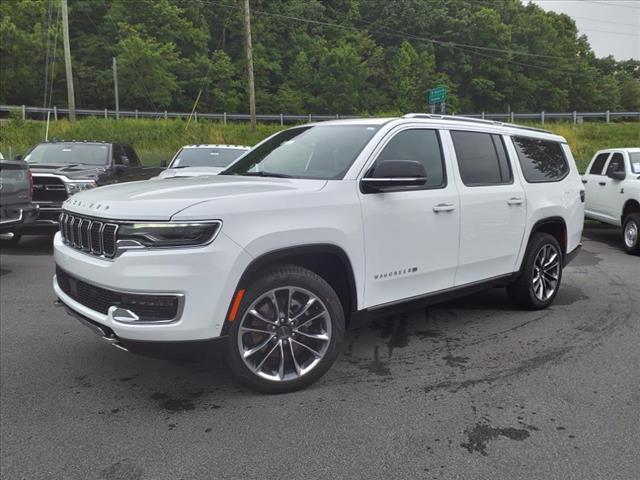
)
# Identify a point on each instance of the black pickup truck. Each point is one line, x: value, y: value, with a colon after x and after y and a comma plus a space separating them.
x: 16, y: 208
x: 61, y: 169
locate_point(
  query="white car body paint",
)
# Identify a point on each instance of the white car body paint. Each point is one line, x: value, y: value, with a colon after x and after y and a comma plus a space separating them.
x: 606, y: 197
x: 397, y: 245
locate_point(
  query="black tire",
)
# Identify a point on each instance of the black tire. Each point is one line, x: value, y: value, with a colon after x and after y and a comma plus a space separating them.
x: 278, y: 279
x: 522, y: 290
x: 631, y: 233
x: 11, y: 242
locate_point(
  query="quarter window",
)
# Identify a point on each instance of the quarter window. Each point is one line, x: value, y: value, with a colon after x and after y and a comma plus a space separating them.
x: 419, y: 145
x: 482, y: 158
x: 598, y: 164
x: 541, y: 160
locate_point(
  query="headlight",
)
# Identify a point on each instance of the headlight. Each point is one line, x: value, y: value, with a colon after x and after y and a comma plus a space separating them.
x: 75, y: 187
x: 169, y: 234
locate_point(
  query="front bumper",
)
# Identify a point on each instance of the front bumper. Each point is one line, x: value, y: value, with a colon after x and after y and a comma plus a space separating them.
x: 206, y: 277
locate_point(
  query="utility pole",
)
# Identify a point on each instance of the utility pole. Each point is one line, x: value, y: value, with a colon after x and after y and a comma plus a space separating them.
x: 251, y: 90
x: 115, y: 86
x: 67, y: 61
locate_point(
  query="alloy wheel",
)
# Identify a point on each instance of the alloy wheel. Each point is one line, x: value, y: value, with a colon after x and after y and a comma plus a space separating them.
x: 284, y: 334
x: 546, y: 272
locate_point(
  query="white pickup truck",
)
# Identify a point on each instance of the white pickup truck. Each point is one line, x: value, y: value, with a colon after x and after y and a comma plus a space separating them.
x: 612, y: 185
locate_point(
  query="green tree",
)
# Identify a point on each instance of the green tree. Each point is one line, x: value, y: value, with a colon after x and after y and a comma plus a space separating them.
x: 146, y: 70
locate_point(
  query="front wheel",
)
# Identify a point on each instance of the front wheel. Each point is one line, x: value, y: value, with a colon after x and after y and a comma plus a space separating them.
x: 540, y: 275
x: 287, y: 331
x: 630, y: 233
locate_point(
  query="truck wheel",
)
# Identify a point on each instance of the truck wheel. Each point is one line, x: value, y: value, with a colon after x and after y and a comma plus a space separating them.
x: 540, y: 275
x: 11, y: 242
x: 287, y: 331
x: 631, y: 233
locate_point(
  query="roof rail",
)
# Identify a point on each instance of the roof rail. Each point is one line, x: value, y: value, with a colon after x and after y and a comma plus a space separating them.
x: 459, y: 118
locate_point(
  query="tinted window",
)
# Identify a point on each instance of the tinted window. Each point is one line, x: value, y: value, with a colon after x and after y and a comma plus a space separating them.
x: 598, y: 164
x: 420, y: 146
x: 482, y: 158
x: 616, y: 164
x: 320, y: 151
x: 118, y: 153
x: 541, y: 160
x: 131, y: 155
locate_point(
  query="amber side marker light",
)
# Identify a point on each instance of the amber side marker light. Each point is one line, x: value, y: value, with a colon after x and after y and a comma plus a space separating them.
x: 236, y: 305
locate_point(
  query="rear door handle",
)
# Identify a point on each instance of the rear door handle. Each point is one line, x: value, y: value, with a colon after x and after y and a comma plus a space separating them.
x: 515, y: 201
x: 602, y: 184
x: 444, y: 207
x: 584, y: 181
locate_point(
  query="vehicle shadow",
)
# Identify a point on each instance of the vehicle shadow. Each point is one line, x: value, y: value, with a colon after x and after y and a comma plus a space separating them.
x: 607, y: 234
x: 29, y: 245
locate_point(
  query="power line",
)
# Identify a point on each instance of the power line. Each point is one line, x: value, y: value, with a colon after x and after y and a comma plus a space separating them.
x: 609, y: 32
x: 612, y: 5
x: 440, y: 42
x: 597, y: 20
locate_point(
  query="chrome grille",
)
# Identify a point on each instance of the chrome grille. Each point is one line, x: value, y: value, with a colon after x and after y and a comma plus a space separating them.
x: 89, y: 235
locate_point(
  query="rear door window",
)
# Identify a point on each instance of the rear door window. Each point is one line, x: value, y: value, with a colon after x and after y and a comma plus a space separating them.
x: 597, y: 168
x: 541, y: 160
x: 482, y: 158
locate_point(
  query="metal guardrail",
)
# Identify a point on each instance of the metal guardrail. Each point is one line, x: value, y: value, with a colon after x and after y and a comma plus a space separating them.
x: 55, y: 113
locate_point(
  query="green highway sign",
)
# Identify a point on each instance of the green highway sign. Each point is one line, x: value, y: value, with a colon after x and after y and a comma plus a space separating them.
x: 437, y: 95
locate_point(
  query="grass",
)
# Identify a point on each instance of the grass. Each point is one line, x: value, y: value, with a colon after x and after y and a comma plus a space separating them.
x: 157, y: 140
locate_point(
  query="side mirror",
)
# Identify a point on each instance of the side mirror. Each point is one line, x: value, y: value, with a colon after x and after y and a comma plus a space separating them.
x: 616, y: 174
x: 125, y: 161
x: 163, y: 163
x: 18, y: 157
x: 392, y: 174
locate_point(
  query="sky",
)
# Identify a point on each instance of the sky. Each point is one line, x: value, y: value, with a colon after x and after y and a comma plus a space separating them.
x: 612, y: 26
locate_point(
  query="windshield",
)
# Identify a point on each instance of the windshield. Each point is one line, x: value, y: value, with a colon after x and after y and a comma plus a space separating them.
x: 205, y: 157
x: 635, y: 162
x: 322, y: 152
x: 71, y: 153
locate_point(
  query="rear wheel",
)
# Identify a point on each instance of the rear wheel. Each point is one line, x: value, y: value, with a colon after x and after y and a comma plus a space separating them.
x: 287, y: 331
x: 630, y: 233
x: 540, y: 275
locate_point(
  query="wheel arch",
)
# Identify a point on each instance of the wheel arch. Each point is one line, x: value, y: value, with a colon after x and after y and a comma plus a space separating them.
x: 554, y: 226
x: 630, y: 206
x: 326, y: 260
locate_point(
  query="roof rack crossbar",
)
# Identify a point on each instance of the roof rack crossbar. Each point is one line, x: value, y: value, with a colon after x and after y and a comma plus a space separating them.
x: 459, y: 118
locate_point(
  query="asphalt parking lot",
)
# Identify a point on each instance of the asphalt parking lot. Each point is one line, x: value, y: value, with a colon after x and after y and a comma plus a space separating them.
x: 467, y: 389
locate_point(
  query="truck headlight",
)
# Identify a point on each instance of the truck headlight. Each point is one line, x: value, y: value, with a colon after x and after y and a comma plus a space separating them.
x: 75, y: 187
x: 170, y: 234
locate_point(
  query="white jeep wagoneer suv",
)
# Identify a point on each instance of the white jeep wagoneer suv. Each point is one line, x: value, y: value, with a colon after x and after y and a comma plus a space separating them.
x: 277, y: 254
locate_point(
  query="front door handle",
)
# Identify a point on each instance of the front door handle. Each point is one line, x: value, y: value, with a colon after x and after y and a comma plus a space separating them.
x: 584, y: 181
x: 444, y: 207
x: 602, y: 184
x: 515, y: 201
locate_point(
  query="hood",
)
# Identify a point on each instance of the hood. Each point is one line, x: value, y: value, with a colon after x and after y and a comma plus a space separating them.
x: 72, y: 171
x: 163, y: 198
x: 190, y: 172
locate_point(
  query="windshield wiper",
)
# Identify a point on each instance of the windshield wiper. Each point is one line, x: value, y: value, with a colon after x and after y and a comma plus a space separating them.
x: 264, y: 174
